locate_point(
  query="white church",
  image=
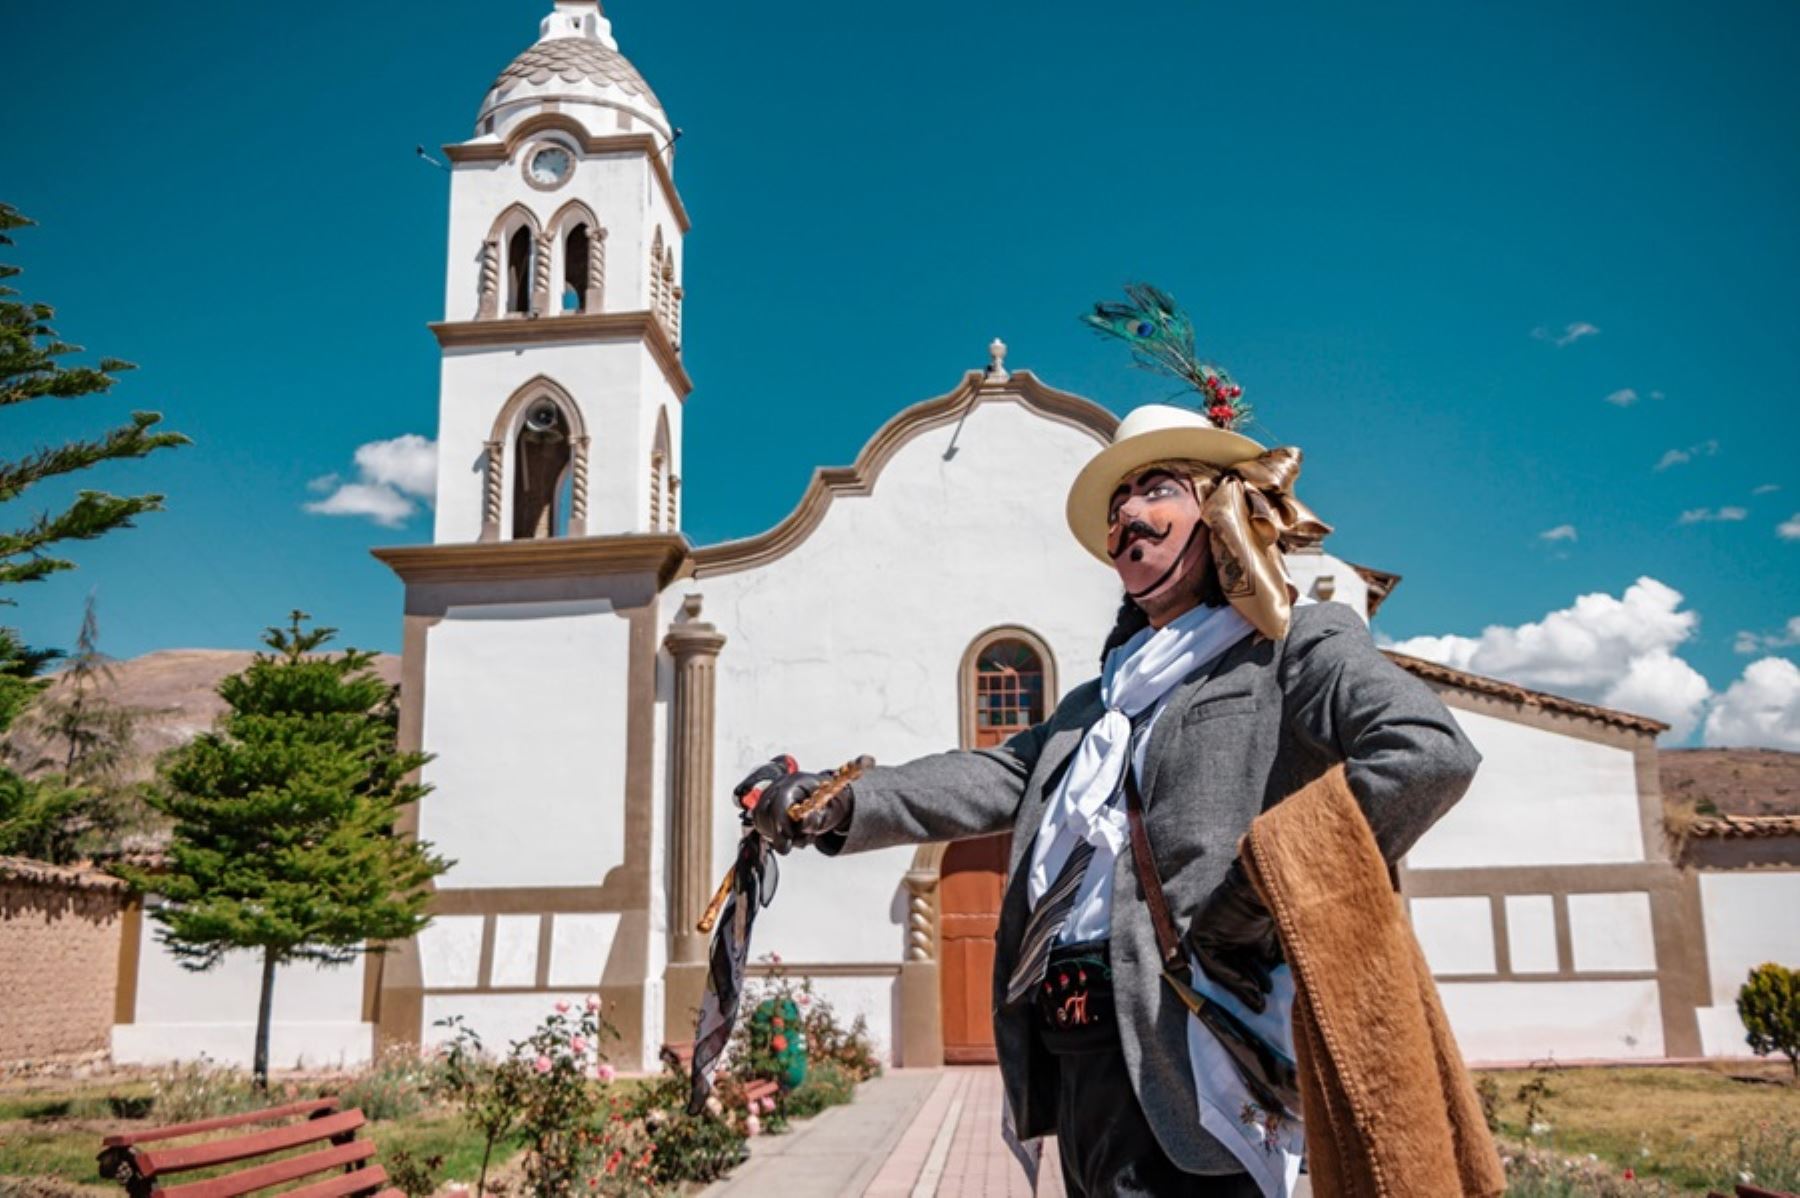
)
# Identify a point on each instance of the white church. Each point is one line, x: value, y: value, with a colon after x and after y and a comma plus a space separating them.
x: 591, y: 684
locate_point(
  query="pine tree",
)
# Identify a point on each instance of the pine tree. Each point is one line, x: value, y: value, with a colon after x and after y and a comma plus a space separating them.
x: 284, y: 838
x: 34, y: 815
x: 75, y: 743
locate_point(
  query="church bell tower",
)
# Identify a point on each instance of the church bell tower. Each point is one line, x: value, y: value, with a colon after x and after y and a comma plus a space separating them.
x: 532, y: 666
x: 562, y: 383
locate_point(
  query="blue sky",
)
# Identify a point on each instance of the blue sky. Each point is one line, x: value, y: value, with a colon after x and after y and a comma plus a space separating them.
x: 1369, y: 213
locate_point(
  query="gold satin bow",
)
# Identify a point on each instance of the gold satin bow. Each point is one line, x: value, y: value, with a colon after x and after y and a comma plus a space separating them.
x: 1251, y: 515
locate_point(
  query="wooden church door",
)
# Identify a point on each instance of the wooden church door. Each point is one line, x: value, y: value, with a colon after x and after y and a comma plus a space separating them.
x: 1008, y: 695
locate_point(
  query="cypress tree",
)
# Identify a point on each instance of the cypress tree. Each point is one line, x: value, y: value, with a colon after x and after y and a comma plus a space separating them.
x: 284, y: 839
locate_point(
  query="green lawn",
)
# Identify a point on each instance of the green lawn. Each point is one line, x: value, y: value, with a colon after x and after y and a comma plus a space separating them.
x: 55, y: 1133
x: 1680, y: 1125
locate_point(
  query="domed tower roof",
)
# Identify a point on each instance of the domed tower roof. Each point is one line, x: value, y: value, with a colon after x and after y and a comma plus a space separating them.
x: 576, y: 63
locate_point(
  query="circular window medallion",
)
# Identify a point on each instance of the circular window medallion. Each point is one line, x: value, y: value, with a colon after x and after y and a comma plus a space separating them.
x: 549, y: 167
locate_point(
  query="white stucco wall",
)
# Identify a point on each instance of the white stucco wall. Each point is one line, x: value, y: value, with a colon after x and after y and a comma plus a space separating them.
x: 1540, y: 798
x: 526, y: 706
x: 1568, y: 1021
x: 1750, y: 919
x: 316, y: 1019
x: 851, y: 643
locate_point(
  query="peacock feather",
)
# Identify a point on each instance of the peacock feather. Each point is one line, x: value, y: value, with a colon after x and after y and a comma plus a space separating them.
x: 1161, y: 338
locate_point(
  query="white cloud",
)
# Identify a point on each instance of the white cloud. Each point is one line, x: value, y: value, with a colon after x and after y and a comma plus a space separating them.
x: 1767, y: 489
x: 1572, y: 332
x: 1789, y: 529
x: 390, y: 476
x: 408, y: 463
x: 380, y: 503
x: 1619, y: 652
x: 1678, y: 457
x: 1624, y: 397
x: 1761, y: 709
x: 1707, y: 515
x: 1754, y: 642
x: 1562, y: 532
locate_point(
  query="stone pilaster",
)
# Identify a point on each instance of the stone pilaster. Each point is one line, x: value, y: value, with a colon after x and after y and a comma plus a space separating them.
x: 596, y: 296
x: 921, y: 1031
x: 695, y: 646
x: 541, y: 301
x: 489, y: 305
x: 578, y: 488
x: 492, y: 484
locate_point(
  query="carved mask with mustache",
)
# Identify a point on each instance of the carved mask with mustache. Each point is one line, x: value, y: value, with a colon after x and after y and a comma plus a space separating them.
x: 1157, y: 541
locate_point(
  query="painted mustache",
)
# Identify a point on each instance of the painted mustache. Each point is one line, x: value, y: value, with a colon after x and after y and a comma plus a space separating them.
x: 1138, y: 530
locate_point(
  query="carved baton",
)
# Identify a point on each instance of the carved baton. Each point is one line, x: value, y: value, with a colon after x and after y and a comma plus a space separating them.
x: 828, y: 790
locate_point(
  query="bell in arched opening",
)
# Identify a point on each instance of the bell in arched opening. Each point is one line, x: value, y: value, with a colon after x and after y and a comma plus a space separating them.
x: 542, y: 452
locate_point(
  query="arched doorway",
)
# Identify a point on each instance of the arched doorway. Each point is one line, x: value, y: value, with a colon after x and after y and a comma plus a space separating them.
x: 1006, y: 675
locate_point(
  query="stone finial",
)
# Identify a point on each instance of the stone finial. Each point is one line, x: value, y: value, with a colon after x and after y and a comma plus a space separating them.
x: 996, y: 367
x: 690, y: 607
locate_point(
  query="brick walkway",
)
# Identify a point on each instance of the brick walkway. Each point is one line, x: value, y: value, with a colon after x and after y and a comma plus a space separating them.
x: 911, y: 1133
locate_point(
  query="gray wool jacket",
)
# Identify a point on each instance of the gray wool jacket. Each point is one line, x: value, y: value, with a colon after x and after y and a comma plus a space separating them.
x: 1240, y: 735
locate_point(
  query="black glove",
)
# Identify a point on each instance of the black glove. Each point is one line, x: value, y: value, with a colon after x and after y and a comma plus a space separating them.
x: 1235, y: 940
x: 772, y: 796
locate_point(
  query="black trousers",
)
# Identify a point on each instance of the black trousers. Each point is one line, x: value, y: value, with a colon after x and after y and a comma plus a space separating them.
x: 1106, y: 1144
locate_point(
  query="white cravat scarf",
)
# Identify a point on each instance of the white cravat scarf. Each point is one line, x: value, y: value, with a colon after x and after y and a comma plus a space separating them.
x: 1137, y: 676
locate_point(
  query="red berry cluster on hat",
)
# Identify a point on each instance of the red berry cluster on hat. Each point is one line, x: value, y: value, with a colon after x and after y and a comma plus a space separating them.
x: 1221, y: 396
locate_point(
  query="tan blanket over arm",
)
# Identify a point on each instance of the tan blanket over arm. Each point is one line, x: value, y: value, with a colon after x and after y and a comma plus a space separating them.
x: 1390, y: 1110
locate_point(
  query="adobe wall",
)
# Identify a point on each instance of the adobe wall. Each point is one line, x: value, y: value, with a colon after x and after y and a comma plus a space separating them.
x: 60, y: 932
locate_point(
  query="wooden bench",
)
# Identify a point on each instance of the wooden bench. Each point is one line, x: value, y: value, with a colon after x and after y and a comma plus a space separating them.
x: 679, y: 1055
x: 144, y: 1161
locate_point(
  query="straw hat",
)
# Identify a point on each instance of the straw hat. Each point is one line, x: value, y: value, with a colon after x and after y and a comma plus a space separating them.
x: 1153, y: 433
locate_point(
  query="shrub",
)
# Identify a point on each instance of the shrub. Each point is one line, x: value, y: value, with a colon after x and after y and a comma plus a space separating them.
x: 1538, y: 1173
x: 412, y: 1176
x: 652, y: 1141
x: 201, y: 1090
x: 553, y: 1088
x: 399, y: 1084
x: 827, y: 1084
x: 1769, y: 1005
x: 1488, y: 1091
x: 1768, y: 1157
x: 822, y: 1036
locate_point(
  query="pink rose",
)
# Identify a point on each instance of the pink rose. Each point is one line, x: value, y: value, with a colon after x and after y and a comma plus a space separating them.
x: 562, y: 1008
x: 593, y: 1002
x: 752, y: 1125
x: 775, y: 958
x: 806, y: 1000
x: 606, y: 1073
x: 578, y: 1045
x: 542, y: 1064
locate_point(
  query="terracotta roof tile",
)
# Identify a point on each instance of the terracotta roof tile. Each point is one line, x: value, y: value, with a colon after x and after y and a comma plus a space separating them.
x: 1431, y: 671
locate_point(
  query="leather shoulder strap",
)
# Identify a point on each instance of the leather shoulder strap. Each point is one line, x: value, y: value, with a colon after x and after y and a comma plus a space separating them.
x: 1168, y: 941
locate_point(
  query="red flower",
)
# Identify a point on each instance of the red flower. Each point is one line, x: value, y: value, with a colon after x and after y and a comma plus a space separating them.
x: 1629, y: 1175
x: 779, y: 1043
x: 1221, y: 414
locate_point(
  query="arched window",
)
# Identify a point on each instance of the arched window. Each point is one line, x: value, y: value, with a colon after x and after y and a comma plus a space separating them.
x: 1007, y: 680
x: 575, y: 269
x: 541, y: 456
x: 518, y: 270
